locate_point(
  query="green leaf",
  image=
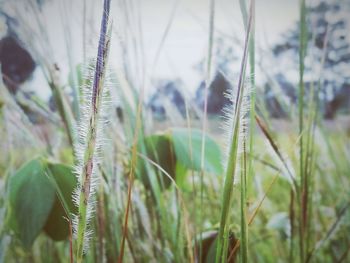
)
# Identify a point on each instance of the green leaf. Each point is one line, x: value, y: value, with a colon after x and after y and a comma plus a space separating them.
x: 64, y: 181
x: 31, y: 197
x: 188, y: 147
x: 181, y: 173
x: 159, y: 149
x: 176, y: 155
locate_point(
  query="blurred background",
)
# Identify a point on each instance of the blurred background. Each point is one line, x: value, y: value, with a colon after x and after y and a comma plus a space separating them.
x: 158, y: 61
x: 162, y: 45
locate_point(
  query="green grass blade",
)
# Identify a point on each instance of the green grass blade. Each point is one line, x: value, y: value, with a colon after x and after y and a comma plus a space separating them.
x: 245, y: 172
x: 303, y: 178
x: 204, y: 126
x: 233, y: 149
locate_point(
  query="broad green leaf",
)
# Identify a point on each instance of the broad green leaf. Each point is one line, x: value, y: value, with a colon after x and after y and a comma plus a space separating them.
x: 31, y: 197
x: 188, y: 147
x: 159, y: 149
x: 64, y: 181
x: 181, y: 173
x: 176, y: 155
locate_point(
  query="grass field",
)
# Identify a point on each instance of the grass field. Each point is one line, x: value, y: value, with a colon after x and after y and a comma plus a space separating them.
x: 86, y: 184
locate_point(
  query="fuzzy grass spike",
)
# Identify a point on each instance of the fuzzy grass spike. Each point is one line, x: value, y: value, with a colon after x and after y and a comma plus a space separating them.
x: 90, y: 139
x: 236, y: 124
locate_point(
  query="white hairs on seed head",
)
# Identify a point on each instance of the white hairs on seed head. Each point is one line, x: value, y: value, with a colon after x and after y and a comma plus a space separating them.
x: 229, y: 115
x: 94, y: 115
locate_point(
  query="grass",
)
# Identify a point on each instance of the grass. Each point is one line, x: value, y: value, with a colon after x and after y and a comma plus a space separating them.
x: 236, y: 140
x: 153, y: 195
x: 204, y: 127
x: 90, y: 135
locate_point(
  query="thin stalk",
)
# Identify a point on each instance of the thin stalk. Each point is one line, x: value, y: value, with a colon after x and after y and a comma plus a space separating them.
x: 309, y: 167
x: 252, y: 98
x: 249, y: 171
x: 233, y: 148
x: 68, y: 42
x: 251, y: 218
x: 101, y: 222
x: 126, y: 217
x: 204, y: 127
x: 292, y: 225
x: 244, y: 225
x: 165, y: 34
x: 89, y: 149
x: 182, y: 202
x: 276, y: 149
x: 303, y: 177
x: 84, y: 32
x: 225, y: 246
x: 188, y: 124
x: 131, y: 175
x: 65, y: 112
x: 310, y: 147
x: 333, y: 228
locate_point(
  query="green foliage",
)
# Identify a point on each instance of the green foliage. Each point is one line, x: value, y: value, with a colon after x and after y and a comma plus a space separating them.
x: 31, y: 197
x: 234, y: 142
x: 304, y: 218
x: 187, y: 145
x: 178, y: 151
x: 159, y: 148
x: 64, y: 181
x: 39, y: 199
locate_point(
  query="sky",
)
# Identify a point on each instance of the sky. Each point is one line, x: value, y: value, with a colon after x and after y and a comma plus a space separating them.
x: 184, y: 46
x: 187, y: 41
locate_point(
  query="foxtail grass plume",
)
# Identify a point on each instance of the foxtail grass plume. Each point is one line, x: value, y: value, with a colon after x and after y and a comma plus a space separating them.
x: 236, y: 130
x: 90, y: 139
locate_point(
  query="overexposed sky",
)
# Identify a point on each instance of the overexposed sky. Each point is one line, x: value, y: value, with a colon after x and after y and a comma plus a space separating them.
x: 185, y: 44
x: 187, y: 40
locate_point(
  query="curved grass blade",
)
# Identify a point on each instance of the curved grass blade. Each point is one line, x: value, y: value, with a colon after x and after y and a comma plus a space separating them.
x: 234, y: 144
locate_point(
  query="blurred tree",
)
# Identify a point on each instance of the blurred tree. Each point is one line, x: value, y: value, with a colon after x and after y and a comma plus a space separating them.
x: 17, y: 65
x: 328, y: 24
